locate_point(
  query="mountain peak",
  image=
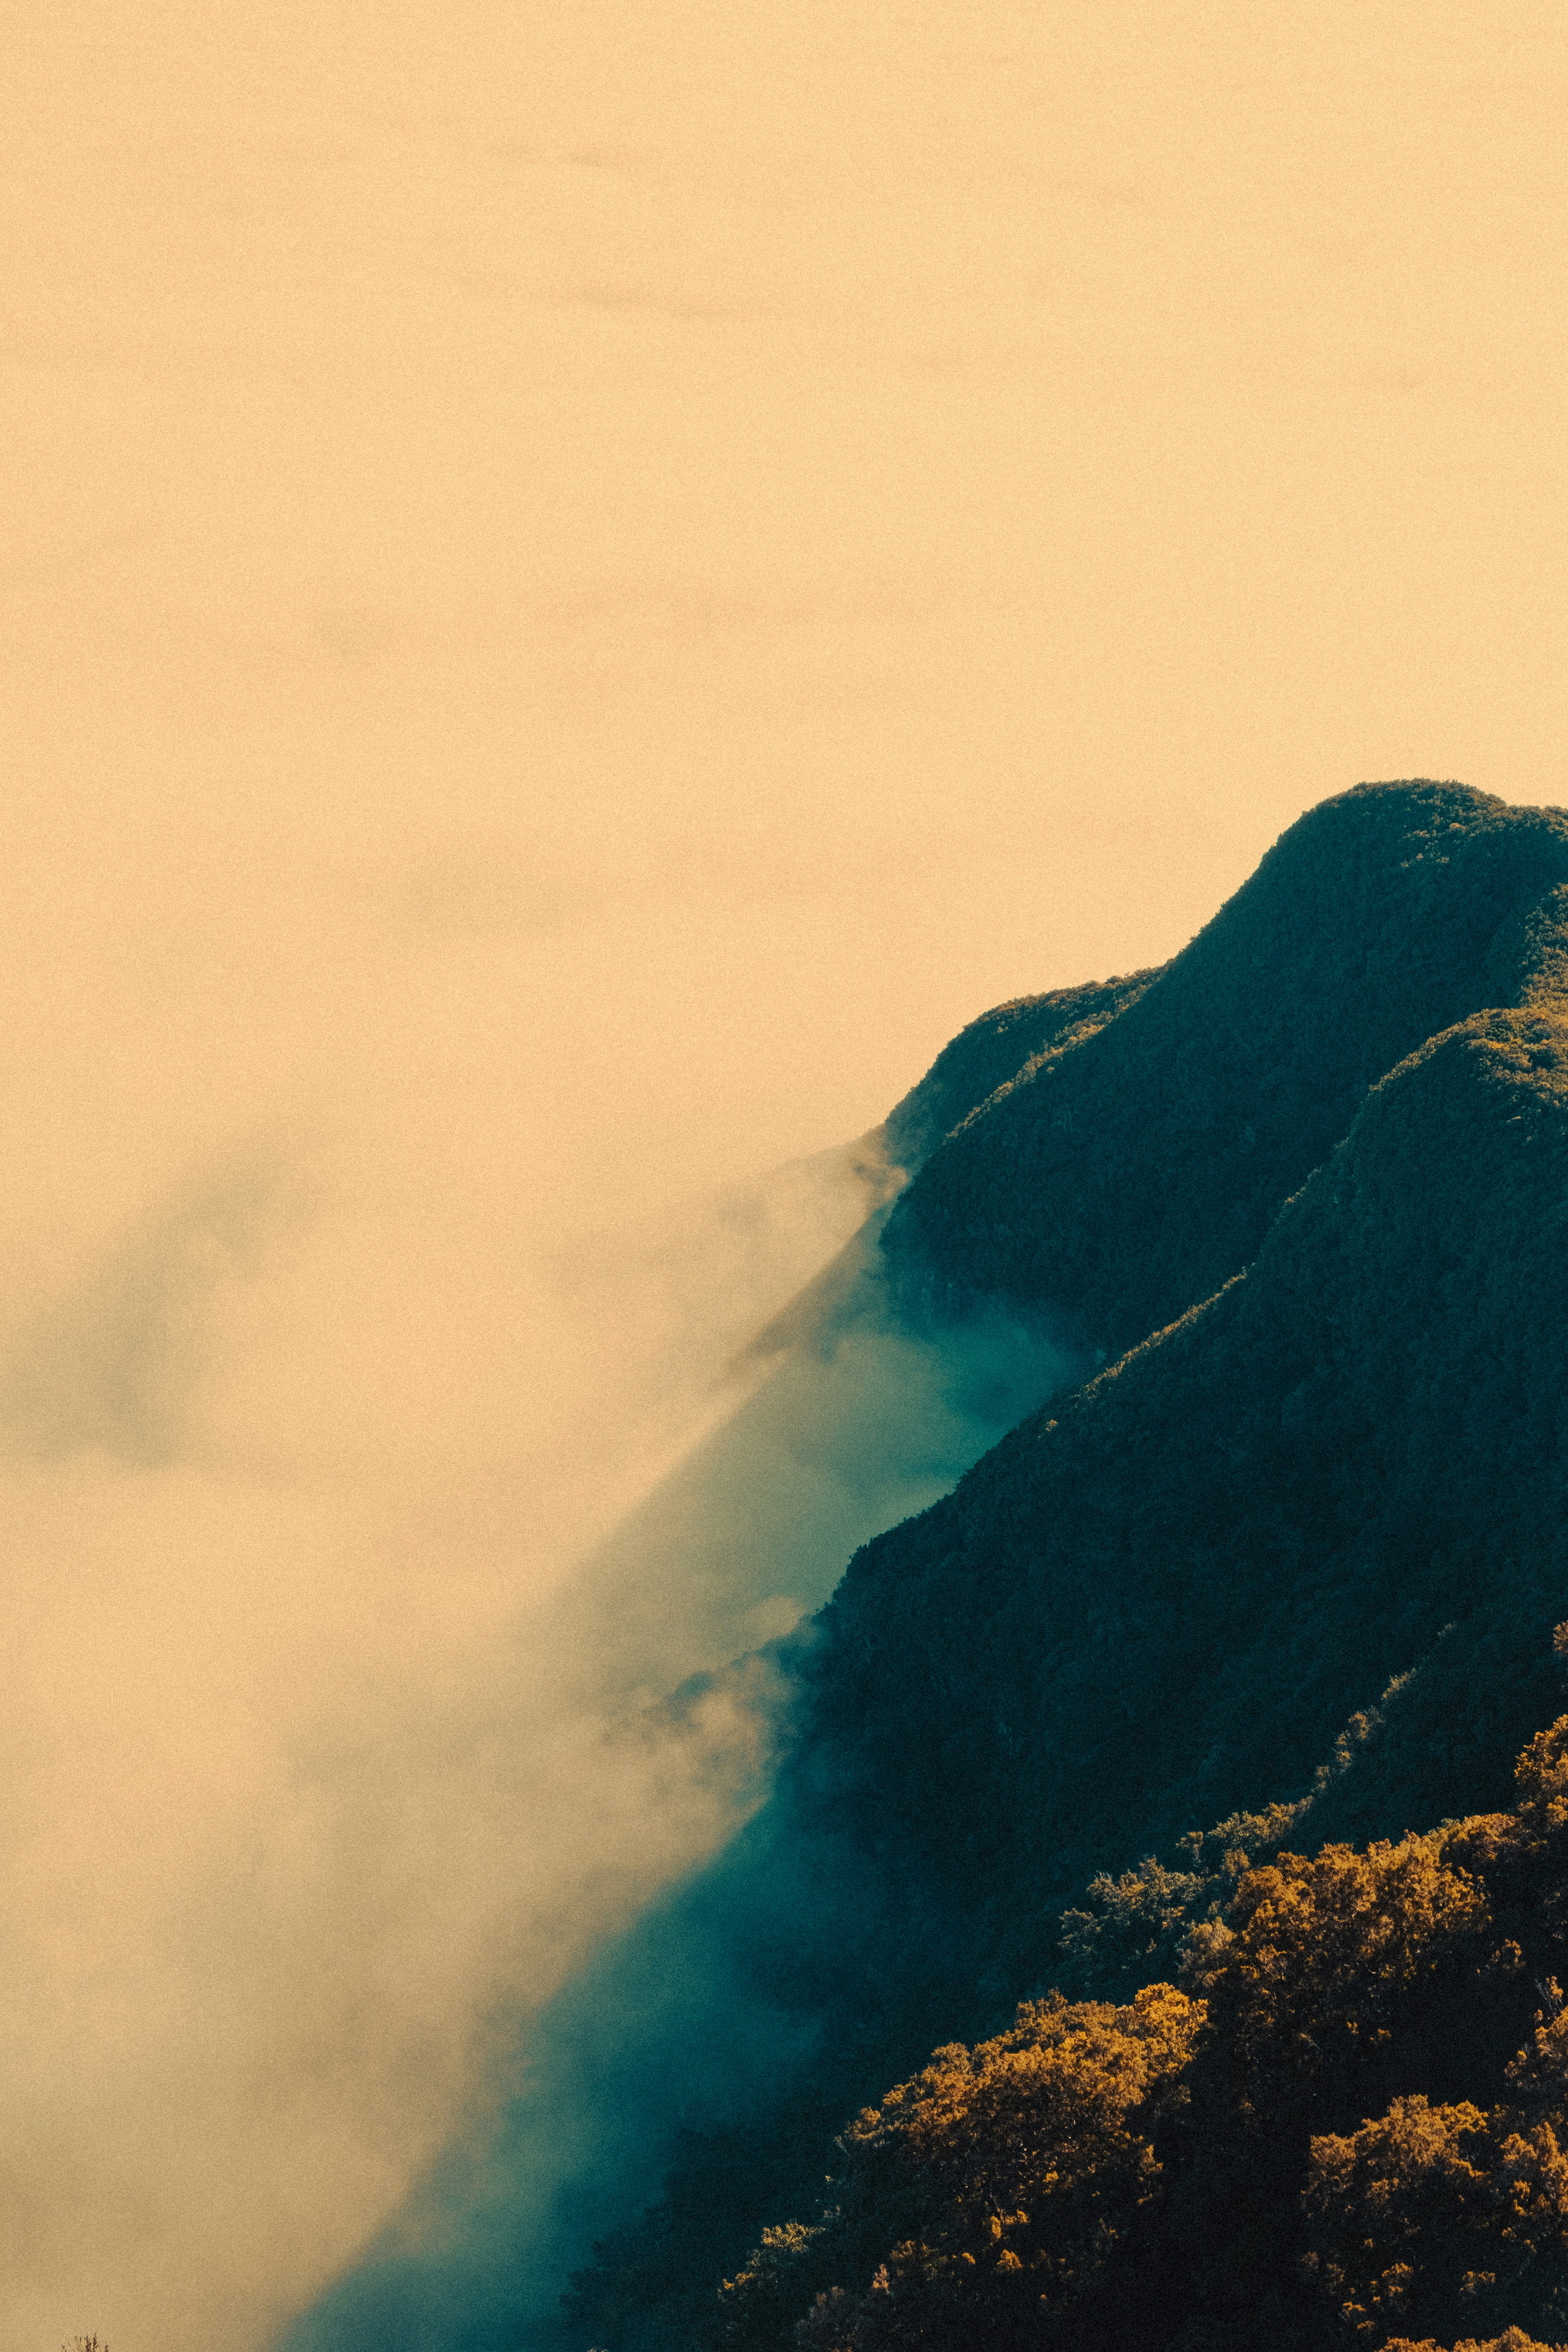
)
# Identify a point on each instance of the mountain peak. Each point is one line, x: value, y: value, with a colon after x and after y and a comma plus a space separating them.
x: 1134, y: 1164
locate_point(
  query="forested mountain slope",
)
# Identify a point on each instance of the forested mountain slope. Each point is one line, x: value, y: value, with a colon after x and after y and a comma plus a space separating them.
x: 1347, y: 2122
x: 1114, y: 1179
x: 1159, y: 1599
x: 993, y: 1051
x: 1161, y: 1596
x: 1308, y: 1183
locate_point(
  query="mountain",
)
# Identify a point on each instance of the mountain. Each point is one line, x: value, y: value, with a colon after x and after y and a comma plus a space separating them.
x: 1159, y: 1597
x: 1290, y: 1212
x: 1131, y: 1164
x: 1307, y: 1185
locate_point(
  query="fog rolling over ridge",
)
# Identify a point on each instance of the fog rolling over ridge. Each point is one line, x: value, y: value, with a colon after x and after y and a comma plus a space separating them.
x: 1319, y: 1490
x: 860, y: 1413
x: 862, y: 1419
x: 274, y: 1714
x: 334, y: 1745
x: 860, y: 1423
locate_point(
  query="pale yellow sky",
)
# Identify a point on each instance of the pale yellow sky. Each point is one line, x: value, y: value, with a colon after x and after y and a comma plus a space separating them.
x: 579, y: 586
x: 850, y: 513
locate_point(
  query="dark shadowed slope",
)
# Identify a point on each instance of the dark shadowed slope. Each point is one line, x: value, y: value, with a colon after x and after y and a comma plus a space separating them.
x: 1150, y: 1603
x: 1161, y: 1597
x: 1123, y: 1175
x: 999, y: 1047
x: 1159, y: 1601
x: 1345, y: 2120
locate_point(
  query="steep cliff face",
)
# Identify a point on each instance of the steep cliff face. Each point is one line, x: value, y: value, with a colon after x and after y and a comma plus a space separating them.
x: 1125, y: 1170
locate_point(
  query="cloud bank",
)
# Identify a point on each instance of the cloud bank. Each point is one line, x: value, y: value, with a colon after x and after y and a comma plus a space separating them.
x: 364, y: 1481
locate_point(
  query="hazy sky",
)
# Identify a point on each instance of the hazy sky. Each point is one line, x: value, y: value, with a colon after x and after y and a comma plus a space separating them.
x: 580, y: 586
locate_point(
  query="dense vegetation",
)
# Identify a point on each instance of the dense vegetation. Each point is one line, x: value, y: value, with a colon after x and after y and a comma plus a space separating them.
x: 1333, y: 1489
x: 1345, y: 2118
x: 1344, y: 2125
x: 1114, y: 1178
x: 1171, y: 1587
x: 992, y: 1053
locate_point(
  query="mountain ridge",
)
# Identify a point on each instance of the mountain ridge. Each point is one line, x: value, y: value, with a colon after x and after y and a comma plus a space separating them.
x: 1115, y: 1183
x: 923, y: 1766
x: 1305, y: 1212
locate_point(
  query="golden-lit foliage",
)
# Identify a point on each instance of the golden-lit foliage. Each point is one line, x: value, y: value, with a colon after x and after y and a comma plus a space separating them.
x: 1513, y: 2339
x: 1039, y: 2141
x: 1430, y: 2209
x: 1181, y: 2163
x: 1324, y: 1954
x: 1021, y: 2166
x: 1542, y: 1777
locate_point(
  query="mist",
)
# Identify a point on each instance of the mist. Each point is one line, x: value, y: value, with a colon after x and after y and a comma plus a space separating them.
x: 375, y: 1455
x: 859, y: 1423
x: 292, y: 1797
